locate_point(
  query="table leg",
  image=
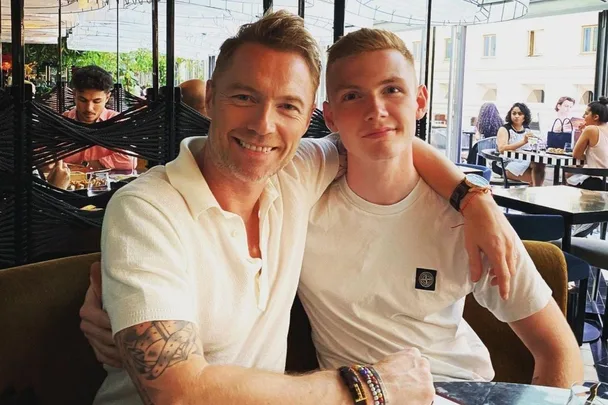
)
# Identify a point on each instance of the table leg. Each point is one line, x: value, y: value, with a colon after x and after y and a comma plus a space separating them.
x: 556, y: 173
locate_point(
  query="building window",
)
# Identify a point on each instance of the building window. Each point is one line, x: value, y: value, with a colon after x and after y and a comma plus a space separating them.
x: 534, y: 42
x: 536, y: 96
x: 489, y: 46
x: 448, y: 48
x: 490, y: 95
x: 587, y: 97
x: 416, y: 50
x: 589, y: 39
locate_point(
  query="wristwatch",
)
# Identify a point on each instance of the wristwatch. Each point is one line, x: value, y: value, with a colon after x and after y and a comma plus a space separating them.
x: 470, y: 183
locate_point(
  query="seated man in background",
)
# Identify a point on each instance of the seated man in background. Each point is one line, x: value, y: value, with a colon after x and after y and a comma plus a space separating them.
x: 91, y: 86
x: 193, y: 94
x: 368, y: 291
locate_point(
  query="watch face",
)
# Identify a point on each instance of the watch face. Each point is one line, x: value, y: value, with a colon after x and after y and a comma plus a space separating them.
x: 478, y: 181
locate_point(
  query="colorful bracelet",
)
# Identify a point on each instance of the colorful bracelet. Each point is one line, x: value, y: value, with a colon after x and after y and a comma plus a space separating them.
x: 380, y: 383
x: 354, y: 385
x: 371, y: 378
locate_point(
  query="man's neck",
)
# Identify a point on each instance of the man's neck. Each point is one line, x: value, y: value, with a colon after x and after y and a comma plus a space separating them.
x: 382, y: 182
x: 232, y: 195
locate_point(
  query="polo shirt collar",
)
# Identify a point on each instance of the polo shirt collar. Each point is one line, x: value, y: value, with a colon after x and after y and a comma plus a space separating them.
x: 185, y: 175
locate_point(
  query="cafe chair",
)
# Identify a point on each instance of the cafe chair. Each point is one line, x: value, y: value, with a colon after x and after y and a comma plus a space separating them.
x: 511, y: 359
x: 44, y: 357
x: 487, y: 149
x: 601, y: 184
x: 550, y: 228
x: 486, y: 172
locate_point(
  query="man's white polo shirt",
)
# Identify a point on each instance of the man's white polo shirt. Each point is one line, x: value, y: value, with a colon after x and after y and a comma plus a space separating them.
x: 171, y: 253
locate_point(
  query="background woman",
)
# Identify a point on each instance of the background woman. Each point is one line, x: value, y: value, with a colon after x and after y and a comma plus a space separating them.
x: 593, y: 144
x: 514, y: 135
x: 488, y: 123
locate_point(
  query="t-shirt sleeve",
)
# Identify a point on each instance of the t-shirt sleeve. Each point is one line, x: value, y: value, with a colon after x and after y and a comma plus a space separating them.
x: 315, y: 165
x: 529, y: 292
x: 144, y: 274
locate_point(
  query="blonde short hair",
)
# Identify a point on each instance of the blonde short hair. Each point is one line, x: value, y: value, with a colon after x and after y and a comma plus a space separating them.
x: 279, y: 30
x: 366, y: 40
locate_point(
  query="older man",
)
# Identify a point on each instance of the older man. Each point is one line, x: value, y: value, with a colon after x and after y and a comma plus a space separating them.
x: 201, y: 258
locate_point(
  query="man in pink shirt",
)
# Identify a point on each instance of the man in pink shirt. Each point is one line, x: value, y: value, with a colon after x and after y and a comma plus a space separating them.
x: 91, y: 86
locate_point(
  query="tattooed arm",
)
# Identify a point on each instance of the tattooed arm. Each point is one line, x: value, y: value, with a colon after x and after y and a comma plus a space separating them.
x: 166, y: 363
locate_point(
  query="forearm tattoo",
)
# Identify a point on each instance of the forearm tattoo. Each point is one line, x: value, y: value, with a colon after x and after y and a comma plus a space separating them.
x: 152, y: 347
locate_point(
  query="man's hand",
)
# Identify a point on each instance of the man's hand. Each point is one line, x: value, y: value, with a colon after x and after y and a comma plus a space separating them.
x: 487, y: 230
x: 95, y: 322
x: 407, y: 378
x: 59, y: 175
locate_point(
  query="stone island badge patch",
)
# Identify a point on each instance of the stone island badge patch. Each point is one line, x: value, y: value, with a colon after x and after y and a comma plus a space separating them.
x: 426, y: 279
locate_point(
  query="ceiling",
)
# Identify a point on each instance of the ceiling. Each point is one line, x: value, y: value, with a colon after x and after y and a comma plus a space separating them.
x: 202, y: 25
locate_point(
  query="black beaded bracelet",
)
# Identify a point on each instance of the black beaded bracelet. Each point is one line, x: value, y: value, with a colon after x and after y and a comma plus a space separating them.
x: 370, y: 377
x: 354, y: 385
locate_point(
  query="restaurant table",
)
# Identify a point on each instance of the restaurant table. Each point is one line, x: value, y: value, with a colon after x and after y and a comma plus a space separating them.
x: 549, y: 159
x: 470, y: 170
x: 575, y: 205
x: 493, y: 393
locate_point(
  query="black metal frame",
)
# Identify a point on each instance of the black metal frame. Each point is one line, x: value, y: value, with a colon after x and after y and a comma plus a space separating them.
x: 339, y: 15
x: 267, y: 4
x: 155, y: 76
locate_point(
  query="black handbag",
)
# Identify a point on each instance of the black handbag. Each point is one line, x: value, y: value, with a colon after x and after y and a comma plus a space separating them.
x: 559, y: 139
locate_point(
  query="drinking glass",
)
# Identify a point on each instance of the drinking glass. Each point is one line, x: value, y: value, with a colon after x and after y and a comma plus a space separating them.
x: 588, y: 393
x: 99, y: 182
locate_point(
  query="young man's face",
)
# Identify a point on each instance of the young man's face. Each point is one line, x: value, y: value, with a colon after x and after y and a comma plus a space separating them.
x: 374, y: 102
x: 260, y: 107
x: 90, y: 104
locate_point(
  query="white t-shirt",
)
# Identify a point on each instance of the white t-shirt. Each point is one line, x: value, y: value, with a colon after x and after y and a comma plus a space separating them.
x: 169, y: 252
x: 363, y: 278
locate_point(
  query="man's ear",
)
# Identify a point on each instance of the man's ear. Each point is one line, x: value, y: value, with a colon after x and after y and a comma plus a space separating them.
x: 108, y: 95
x: 329, y: 117
x: 208, y: 97
x: 422, y: 99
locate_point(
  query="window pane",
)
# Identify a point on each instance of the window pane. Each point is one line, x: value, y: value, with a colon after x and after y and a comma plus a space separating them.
x: 587, y: 39
x: 594, y: 39
x: 448, y: 48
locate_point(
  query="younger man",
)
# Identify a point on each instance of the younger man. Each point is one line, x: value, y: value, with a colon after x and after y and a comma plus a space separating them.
x: 368, y: 291
x: 91, y: 86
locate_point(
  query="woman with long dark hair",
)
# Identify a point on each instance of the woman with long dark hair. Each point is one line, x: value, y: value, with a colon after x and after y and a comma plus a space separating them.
x: 514, y: 135
x: 592, y: 146
x: 488, y: 123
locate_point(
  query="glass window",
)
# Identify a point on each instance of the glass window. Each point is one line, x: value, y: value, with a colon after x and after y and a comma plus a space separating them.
x: 489, y: 46
x: 534, y: 42
x: 536, y: 96
x: 416, y: 50
x: 589, y: 43
x: 490, y: 95
x: 448, y: 48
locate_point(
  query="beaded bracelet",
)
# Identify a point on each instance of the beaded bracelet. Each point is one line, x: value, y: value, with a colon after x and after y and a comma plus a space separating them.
x: 380, y: 383
x: 371, y: 378
x: 354, y: 385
